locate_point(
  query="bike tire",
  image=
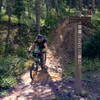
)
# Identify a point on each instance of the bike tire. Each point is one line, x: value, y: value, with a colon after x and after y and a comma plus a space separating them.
x: 33, y: 72
x: 45, y: 58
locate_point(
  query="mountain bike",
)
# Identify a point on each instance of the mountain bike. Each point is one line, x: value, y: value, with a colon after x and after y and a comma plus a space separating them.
x: 39, y: 61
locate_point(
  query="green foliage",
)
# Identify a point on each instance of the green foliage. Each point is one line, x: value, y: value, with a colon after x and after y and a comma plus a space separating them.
x: 95, y: 23
x: 1, y: 49
x: 6, y: 83
x: 90, y: 65
x: 70, y: 68
x: 96, y: 16
x: 51, y: 21
x: 11, y: 65
x: 21, y: 52
x: 11, y: 68
x: 4, y: 18
x: 91, y: 47
x: 19, y: 7
x: 87, y: 65
x: 13, y: 18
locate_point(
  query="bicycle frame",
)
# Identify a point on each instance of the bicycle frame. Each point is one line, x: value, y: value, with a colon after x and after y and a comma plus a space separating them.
x: 38, y: 58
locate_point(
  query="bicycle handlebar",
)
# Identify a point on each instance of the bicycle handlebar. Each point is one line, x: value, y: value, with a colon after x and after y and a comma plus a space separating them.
x: 36, y: 52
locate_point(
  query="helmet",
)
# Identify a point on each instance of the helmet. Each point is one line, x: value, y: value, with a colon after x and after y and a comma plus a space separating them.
x: 39, y: 36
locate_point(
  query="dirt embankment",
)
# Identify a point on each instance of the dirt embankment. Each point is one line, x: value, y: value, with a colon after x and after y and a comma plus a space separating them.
x: 63, y: 42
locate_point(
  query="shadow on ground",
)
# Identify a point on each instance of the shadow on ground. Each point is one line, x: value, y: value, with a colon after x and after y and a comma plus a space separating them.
x: 47, y: 86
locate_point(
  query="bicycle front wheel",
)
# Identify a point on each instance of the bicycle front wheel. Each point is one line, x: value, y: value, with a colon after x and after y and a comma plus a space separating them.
x: 33, y: 72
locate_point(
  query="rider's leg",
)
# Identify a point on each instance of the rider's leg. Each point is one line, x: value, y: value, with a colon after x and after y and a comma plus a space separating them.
x: 44, y: 57
x: 43, y: 60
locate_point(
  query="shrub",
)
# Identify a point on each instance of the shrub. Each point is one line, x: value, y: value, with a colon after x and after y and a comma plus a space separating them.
x: 11, y: 67
x: 51, y: 22
x: 21, y: 52
x: 87, y: 65
x: 90, y: 64
x: 91, y: 47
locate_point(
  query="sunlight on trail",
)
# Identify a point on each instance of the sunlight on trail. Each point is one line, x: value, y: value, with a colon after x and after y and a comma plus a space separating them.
x: 45, y: 76
x: 26, y: 78
x: 55, y: 76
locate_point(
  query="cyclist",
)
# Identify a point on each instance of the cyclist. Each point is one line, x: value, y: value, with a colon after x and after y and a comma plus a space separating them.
x: 40, y: 44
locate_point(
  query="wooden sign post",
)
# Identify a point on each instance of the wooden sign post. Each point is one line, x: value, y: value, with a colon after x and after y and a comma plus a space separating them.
x: 78, y: 22
x: 78, y: 56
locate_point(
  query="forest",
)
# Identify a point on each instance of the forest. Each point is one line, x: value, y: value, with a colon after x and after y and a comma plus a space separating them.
x: 22, y: 20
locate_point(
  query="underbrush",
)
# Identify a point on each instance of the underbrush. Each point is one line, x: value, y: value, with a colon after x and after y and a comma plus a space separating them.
x: 11, y: 68
x: 87, y: 65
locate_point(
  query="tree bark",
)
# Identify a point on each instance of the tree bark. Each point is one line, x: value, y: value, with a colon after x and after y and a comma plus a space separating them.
x: 9, y: 12
x: 0, y: 5
x: 7, y: 37
x: 80, y: 5
x: 19, y: 25
x: 93, y: 2
x: 38, y: 14
x: 0, y: 8
x: 69, y: 6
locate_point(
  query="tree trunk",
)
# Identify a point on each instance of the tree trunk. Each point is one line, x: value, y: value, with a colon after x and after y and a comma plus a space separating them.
x: 19, y: 25
x: 69, y: 6
x: 80, y: 5
x: 57, y: 8
x: 0, y: 5
x: 9, y: 12
x: 93, y: 3
x: 47, y: 8
x: 38, y: 14
x: 0, y: 8
x: 7, y: 37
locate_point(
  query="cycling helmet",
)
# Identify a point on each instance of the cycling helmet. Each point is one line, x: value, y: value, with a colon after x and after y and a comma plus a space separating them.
x: 39, y: 36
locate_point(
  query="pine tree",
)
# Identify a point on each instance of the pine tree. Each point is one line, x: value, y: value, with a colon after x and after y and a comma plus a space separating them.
x: 19, y: 9
x: 38, y: 14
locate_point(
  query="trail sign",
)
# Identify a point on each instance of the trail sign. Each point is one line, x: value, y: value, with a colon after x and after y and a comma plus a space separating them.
x: 78, y: 22
x: 83, y: 20
x: 78, y: 56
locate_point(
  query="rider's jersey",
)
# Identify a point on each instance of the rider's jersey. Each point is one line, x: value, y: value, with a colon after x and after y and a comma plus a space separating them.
x: 40, y: 45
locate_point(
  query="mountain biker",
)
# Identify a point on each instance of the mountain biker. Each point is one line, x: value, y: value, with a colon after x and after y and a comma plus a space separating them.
x: 40, y: 44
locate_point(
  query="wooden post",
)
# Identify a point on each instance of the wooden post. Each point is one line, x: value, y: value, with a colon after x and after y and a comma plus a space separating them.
x: 78, y: 56
x: 78, y: 21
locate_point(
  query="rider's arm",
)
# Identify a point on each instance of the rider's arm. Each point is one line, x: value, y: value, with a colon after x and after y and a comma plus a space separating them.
x: 32, y: 46
x: 46, y: 46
